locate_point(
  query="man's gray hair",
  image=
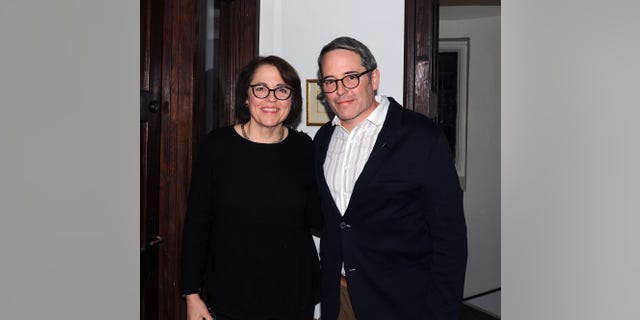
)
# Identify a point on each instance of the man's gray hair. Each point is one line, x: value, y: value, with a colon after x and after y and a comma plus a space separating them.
x: 367, y: 59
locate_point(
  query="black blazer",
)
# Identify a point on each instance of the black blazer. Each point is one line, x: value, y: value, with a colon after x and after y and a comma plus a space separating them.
x: 403, y: 236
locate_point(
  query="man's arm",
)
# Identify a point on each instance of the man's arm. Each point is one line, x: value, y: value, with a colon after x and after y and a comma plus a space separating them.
x: 448, y: 232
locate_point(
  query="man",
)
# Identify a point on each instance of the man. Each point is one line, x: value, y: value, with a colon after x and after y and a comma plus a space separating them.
x: 394, y: 230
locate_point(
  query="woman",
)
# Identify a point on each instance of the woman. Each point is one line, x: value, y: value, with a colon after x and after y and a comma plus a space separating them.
x: 247, y: 250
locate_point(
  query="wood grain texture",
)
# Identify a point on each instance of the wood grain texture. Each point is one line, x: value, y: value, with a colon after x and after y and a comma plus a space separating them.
x: 421, y: 53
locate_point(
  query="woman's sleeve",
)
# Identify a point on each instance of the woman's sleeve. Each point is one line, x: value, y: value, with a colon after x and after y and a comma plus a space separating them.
x: 314, y: 213
x: 197, y: 223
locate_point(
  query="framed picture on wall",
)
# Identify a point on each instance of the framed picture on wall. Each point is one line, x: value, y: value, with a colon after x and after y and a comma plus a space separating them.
x: 317, y: 113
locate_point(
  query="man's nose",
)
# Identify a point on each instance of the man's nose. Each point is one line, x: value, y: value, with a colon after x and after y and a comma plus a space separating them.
x: 340, y: 88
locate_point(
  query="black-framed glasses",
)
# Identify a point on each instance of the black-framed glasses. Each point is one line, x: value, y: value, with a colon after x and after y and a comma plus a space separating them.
x: 261, y: 91
x: 349, y: 81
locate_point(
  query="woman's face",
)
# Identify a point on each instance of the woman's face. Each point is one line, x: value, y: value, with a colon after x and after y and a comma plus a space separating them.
x: 268, y: 111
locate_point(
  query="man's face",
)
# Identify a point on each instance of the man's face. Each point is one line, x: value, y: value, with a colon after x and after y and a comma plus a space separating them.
x: 350, y: 105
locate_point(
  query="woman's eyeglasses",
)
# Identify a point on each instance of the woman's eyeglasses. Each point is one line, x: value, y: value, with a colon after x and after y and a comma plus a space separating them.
x: 261, y: 91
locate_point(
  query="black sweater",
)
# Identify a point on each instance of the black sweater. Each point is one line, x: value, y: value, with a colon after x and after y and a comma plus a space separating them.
x: 247, y: 239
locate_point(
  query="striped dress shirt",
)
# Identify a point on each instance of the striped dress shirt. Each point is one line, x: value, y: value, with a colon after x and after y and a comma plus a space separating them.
x: 349, y: 151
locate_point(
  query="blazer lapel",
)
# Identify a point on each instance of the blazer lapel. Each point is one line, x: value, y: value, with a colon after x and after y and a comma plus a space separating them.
x: 387, y: 138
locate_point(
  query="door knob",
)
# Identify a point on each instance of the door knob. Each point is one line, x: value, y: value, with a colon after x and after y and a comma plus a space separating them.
x: 154, y: 106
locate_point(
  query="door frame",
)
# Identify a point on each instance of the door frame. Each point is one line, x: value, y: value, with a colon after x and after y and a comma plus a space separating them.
x: 421, y: 30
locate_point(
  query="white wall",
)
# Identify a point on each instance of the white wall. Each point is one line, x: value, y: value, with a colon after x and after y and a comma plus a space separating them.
x: 482, y: 196
x: 297, y: 29
x: 570, y: 159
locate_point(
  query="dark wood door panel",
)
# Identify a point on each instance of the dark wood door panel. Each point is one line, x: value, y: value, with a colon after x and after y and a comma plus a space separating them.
x: 150, y: 124
x: 145, y: 43
x: 420, y: 56
x: 238, y: 45
x: 144, y: 156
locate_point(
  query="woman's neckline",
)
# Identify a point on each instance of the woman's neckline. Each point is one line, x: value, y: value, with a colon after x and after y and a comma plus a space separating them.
x: 242, y: 133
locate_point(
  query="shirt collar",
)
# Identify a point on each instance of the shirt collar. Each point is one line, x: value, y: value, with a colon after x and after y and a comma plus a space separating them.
x: 377, y: 116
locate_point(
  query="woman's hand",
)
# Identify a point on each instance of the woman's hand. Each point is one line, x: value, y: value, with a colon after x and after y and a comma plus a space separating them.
x: 196, y: 308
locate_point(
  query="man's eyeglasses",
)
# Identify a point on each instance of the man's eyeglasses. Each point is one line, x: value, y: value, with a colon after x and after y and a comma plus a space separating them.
x: 349, y: 81
x: 261, y: 91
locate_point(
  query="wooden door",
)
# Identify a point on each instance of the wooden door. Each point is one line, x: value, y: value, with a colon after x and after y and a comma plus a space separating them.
x: 150, y: 123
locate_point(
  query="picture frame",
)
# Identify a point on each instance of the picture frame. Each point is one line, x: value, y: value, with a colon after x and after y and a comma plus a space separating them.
x: 317, y: 113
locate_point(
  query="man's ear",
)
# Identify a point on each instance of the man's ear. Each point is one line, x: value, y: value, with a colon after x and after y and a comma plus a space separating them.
x: 375, y: 79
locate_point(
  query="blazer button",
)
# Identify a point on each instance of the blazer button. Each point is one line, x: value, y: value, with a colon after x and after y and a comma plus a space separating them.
x: 343, y: 225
